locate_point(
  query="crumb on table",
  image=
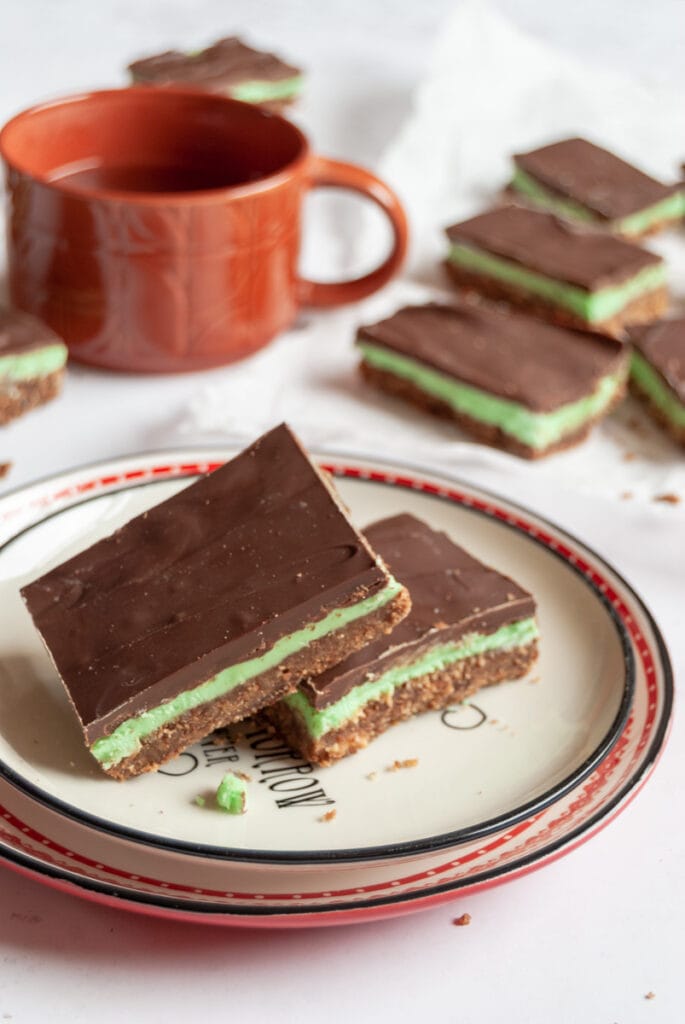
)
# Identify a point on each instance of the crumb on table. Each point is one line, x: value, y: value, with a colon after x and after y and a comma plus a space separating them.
x: 462, y: 921
x: 396, y: 766
x: 626, y: 495
x: 372, y: 776
x: 650, y: 995
x: 329, y: 815
x: 668, y: 499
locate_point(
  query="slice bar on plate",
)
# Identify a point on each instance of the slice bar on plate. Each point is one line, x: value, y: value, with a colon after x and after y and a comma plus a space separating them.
x: 573, y: 275
x: 581, y: 181
x: 32, y: 359
x: 230, y: 67
x: 469, y: 627
x: 206, y: 607
x: 657, y: 373
x: 508, y: 379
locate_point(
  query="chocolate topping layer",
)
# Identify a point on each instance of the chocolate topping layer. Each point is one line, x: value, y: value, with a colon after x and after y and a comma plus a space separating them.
x: 227, y: 62
x: 594, y: 177
x: 210, y: 577
x: 663, y: 346
x: 21, y: 332
x: 507, y: 354
x: 588, y: 258
x: 452, y: 594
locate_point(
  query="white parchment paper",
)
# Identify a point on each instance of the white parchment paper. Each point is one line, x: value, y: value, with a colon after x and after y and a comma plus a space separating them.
x: 491, y: 91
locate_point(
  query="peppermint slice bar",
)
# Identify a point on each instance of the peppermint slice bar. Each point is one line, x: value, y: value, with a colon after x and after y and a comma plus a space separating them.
x: 581, y: 181
x: 510, y: 380
x: 228, y: 66
x: 570, y: 274
x: 210, y: 605
x: 657, y: 373
x: 32, y: 360
x: 469, y: 627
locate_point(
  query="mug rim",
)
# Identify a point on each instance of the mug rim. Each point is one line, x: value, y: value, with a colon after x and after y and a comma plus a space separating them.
x: 225, y: 192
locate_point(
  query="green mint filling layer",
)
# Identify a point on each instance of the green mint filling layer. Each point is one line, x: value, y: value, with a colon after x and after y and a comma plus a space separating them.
x: 651, y: 383
x: 29, y: 365
x: 323, y: 720
x: 534, y: 429
x: 231, y: 795
x: 267, y: 92
x: 670, y: 208
x: 539, y: 195
x: 594, y: 307
x: 125, y: 740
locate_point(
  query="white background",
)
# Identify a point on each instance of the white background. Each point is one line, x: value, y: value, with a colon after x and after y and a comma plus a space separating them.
x: 582, y: 941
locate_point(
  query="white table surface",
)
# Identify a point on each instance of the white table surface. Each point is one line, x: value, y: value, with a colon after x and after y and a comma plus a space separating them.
x: 583, y: 940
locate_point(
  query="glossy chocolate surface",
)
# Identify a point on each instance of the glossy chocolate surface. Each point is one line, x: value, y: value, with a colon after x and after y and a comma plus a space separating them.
x: 593, y: 177
x: 663, y: 346
x: 452, y: 594
x: 586, y: 257
x: 227, y: 62
x: 212, y: 576
x: 508, y: 354
x: 21, y: 332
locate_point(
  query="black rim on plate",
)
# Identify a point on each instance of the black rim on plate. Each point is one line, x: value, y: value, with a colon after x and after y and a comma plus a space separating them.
x: 393, y: 850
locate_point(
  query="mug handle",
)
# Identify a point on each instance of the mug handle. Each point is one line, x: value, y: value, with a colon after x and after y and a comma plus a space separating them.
x: 325, y: 173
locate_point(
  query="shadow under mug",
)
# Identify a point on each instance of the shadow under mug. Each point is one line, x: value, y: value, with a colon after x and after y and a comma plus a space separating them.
x: 159, y: 230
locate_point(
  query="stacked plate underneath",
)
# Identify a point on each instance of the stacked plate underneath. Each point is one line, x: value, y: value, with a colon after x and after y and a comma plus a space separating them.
x: 444, y: 803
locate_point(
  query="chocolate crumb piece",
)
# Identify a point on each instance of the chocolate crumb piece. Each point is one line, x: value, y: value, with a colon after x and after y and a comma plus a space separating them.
x: 462, y: 921
x: 329, y: 815
x: 629, y: 456
x: 667, y: 499
x: 650, y: 995
x: 5, y: 468
x: 396, y: 766
x: 626, y: 495
x: 231, y: 796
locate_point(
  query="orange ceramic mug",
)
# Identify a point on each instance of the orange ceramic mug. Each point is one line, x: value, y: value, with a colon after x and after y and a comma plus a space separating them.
x: 159, y: 230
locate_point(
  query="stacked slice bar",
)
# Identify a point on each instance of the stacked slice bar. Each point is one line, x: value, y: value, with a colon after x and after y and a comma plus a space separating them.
x: 469, y: 627
x: 32, y: 360
x: 209, y: 606
x: 570, y: 274
x: 657, y: 373
x: 583, y: 182
x: 509, y: 380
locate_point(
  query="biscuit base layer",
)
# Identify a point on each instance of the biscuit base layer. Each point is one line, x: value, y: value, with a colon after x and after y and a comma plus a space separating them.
x: 484, y: 433
x: 245, y: 700
x: 18, y: 397
x: 642, y: 310
x: 431, y: 692
x: 657, y: 414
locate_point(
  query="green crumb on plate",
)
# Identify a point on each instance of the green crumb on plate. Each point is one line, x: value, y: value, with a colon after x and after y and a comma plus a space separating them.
x: 231, y: 796
x: 200, y: 801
